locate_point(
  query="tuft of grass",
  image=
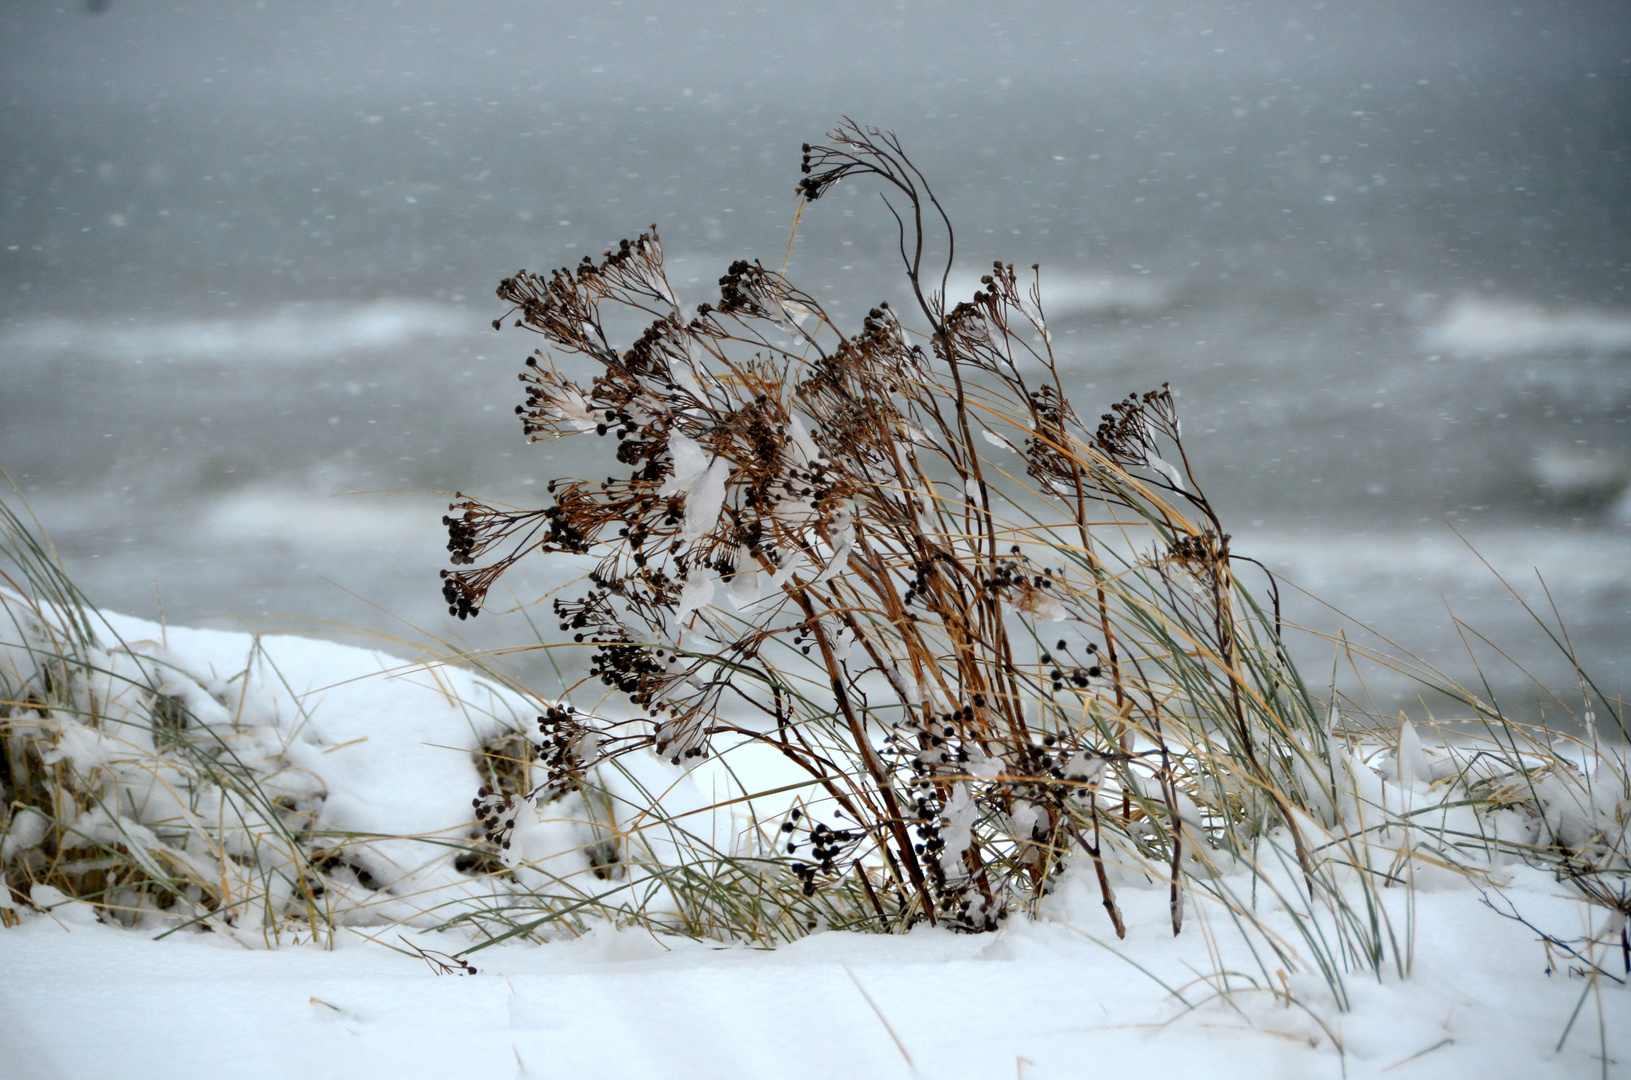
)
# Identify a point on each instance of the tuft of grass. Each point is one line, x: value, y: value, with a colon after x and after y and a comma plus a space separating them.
x: 117, y: 792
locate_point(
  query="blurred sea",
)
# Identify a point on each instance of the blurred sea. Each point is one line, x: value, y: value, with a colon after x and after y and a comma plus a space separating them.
x: 247, y: 354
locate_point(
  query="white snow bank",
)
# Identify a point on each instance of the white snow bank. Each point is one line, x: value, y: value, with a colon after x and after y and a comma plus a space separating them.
x: 364, y: 761
x: 378, y: 753
x: 359, y: 773
x: 1039, y: 1000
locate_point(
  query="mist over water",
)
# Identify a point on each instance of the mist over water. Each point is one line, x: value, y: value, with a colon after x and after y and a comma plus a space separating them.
x: 1381, y: 256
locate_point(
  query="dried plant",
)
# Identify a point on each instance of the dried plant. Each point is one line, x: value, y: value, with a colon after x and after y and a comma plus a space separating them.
x: 994, y: 638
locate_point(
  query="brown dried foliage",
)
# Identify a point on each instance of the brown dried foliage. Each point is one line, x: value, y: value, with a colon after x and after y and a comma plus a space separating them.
x: 816, y: 543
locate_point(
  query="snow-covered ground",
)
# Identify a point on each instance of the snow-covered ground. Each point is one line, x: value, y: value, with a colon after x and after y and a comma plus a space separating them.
x: 1040, y: 999
x: 368, y: 744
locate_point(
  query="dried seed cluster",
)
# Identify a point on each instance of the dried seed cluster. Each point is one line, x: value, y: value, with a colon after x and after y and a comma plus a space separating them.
x: 829, y: 849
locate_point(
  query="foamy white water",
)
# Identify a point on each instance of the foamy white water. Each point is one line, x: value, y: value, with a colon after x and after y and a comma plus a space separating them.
x: 1489, y: 327
x: 1068, y: 294
x: 299, y: 333
x: 1330, y: 565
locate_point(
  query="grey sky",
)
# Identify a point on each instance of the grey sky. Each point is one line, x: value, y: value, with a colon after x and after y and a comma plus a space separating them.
x: 238, y: 54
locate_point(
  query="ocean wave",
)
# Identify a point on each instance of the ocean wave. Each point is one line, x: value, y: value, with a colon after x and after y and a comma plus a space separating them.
x: 1477, y: 326
x: 1066, y: 295
x: 1395, y: 565
x: 1579, y: 472
x: 310, y: 520
x: 296, y: 333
